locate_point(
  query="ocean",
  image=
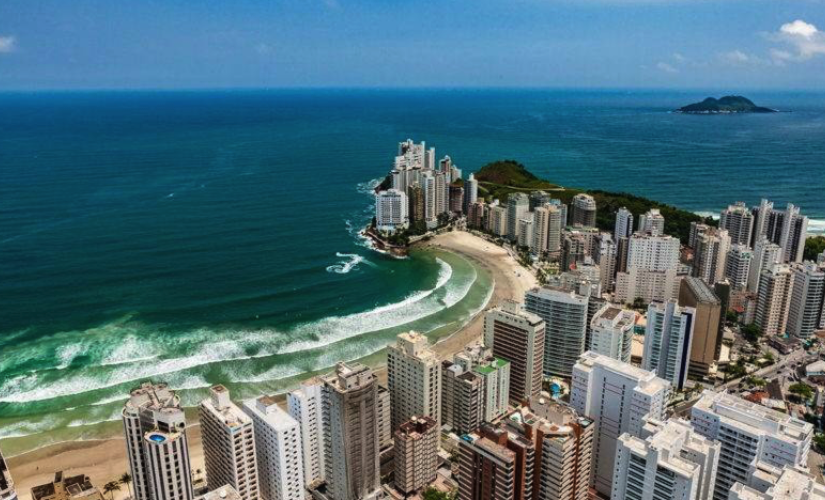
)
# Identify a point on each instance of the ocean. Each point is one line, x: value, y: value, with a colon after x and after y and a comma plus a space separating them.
x: 205, y: 237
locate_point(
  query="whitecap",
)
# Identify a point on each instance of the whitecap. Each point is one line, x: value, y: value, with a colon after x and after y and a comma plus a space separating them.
x: 345, y: 266
x: 66, y: 354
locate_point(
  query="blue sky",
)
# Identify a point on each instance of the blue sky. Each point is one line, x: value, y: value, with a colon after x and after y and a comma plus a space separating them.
x: 744, y: 44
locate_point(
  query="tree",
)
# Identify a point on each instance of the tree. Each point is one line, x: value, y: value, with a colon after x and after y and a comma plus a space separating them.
x: 434, y: 494
x: 819, y: 441
x: 814, y: 247
x: 804, y: 391
x: 751, y: 333
x: 126, y: 479
x: 111, y: 487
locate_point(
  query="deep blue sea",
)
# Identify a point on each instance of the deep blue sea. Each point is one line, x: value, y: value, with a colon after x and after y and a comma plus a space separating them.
x: 203, y: 237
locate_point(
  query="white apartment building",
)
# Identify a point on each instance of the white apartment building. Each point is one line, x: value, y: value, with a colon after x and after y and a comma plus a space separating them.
x: 668, y: 461
x: 765, y: 256
x: 618, y: 397
x: 652, y: 222
x: 807, y: 299
x: 497, y: 221
x: 605, y: 254
x: 155, y: 428
x: 518, y: 204
x: 305, y: 405
x: 413, y: 379
x: 748, y: 432
x: 668, y: 341
x: 583, y: 210
x: 228, y: 439
x: 624, y: 224
x: 278, y: 450
x: 611, y: 332
x: 738, y: 265
x: 652, y: 264
x: 391, y: 210
x: 789, y: 483
x: 709, y: 255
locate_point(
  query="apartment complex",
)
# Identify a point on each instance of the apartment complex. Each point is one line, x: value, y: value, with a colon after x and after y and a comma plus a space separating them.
x: 668, y: 337
x: 565, y: 326
x: 305, y: 405
x: 708, y: 323
x: 611, y: 332
x: 414, y: 379
x: 415, y: 454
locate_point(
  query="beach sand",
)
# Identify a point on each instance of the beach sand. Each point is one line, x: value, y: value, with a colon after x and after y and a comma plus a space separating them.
x: 105, y: 460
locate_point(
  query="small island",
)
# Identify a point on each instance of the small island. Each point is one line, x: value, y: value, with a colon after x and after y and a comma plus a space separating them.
x: 724, y: 105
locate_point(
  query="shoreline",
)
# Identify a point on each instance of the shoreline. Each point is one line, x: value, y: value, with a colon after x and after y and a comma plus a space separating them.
x: 105, y: 460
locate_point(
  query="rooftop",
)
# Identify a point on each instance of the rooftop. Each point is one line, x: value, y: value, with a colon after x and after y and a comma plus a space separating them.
x: 757, y: 417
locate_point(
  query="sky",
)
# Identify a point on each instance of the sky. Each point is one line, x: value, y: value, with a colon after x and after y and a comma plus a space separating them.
x: 137, y: 44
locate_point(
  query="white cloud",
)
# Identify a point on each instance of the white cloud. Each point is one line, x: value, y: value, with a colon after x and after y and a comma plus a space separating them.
x: 667, y: 68
x: 7, y: 44
x: 803, y: 40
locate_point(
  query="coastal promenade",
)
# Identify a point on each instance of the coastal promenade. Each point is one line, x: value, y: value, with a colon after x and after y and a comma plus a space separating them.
x: 105, y: 460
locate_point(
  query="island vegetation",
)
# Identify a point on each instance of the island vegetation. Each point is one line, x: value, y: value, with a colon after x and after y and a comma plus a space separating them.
x: 727, y: 104
x: 500, y: 178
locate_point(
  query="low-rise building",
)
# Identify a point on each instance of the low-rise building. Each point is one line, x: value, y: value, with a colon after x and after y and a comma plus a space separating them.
x: 67, y: 488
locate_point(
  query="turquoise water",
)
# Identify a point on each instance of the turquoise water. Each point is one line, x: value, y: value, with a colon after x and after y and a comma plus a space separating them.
x: 212, y: 236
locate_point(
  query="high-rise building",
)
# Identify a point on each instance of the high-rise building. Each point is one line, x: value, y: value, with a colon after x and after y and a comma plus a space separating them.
x: 413, y: 379
x: 697, y: 229
x: 477, y: 215
x: 391, y: 210
x: 708, y: 323
x: 541, y: 227
x: 652, y: 222
x: 7, y: 491
x: 383, y: 419
x: 524, y: 231
x: 517, y: 336
x: 575, y: 249
x: 470, y: 192
x: 565, y: 327
x: 624, y: 224
x: 518, y: 204
x: 305, y: 405
x: 487, y: 470
x: 738, y: 220
x: 462, y: 397
x: 709, y: 255
x: 651, y: 269
x: 668, y: 338
x: 738, y: 265
x: 415, y: 454
x: 788, y: 483
x: 774, y: 300
x: 605, y: 254
x: 669, y: 460
x: 807, y: 295
x: 415, y: 200
x: 618, y: 397
x: 351, y: 441
x: 611, y: 332
x: 539, y: 199
x: 497, y: 222
x: 456, y: 198
x: 563, y: 441
x: 430, y: 190
x: 765, y: 256
x: 583, y: 210
x: 156, y: 444
x: 278, y: 450
x: 228, y: 441
x: 747, y: 432
x: 761, y: 215
x: 788, y: 229
x: 442, y: 193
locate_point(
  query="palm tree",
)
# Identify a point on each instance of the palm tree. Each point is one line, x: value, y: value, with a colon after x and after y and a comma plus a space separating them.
x: 126, y: 479
x: 111, y: 487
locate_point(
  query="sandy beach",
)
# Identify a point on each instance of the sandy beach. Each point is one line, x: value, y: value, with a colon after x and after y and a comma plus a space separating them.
x: 105, y: 460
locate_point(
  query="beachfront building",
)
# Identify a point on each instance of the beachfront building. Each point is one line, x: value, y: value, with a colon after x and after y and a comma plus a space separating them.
x: 470, y: 192
x: 518, y: 205
x: 156, y: 443
x: 583, y: 211
x: 7, y: 491
x: 709, y: 255
x: 669, y: 460
x: 415, y: 454
x: 413, y: 379
x: 228, y: 439
x: 497, y: 222
x: 807, y: 293
x: 565, y: 326
x: 708, y: 323
x: 748, y: 432
x: 351, y: 441
x: 517, y: 336
x: 668, y: 338
x: 624, y: 224
x: 618, y: 397
x: 774, y: 300
x: 652, y: 222
x: 611, y: 332
x: 546, y: 229
x: 738, y: 265
x: 63, y: 487
x: 305, y: 405
x: 738, y: 221
x: 651, y: 269
x: 391, y: 210
x: 278, y: 450
x: 765, y: 255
